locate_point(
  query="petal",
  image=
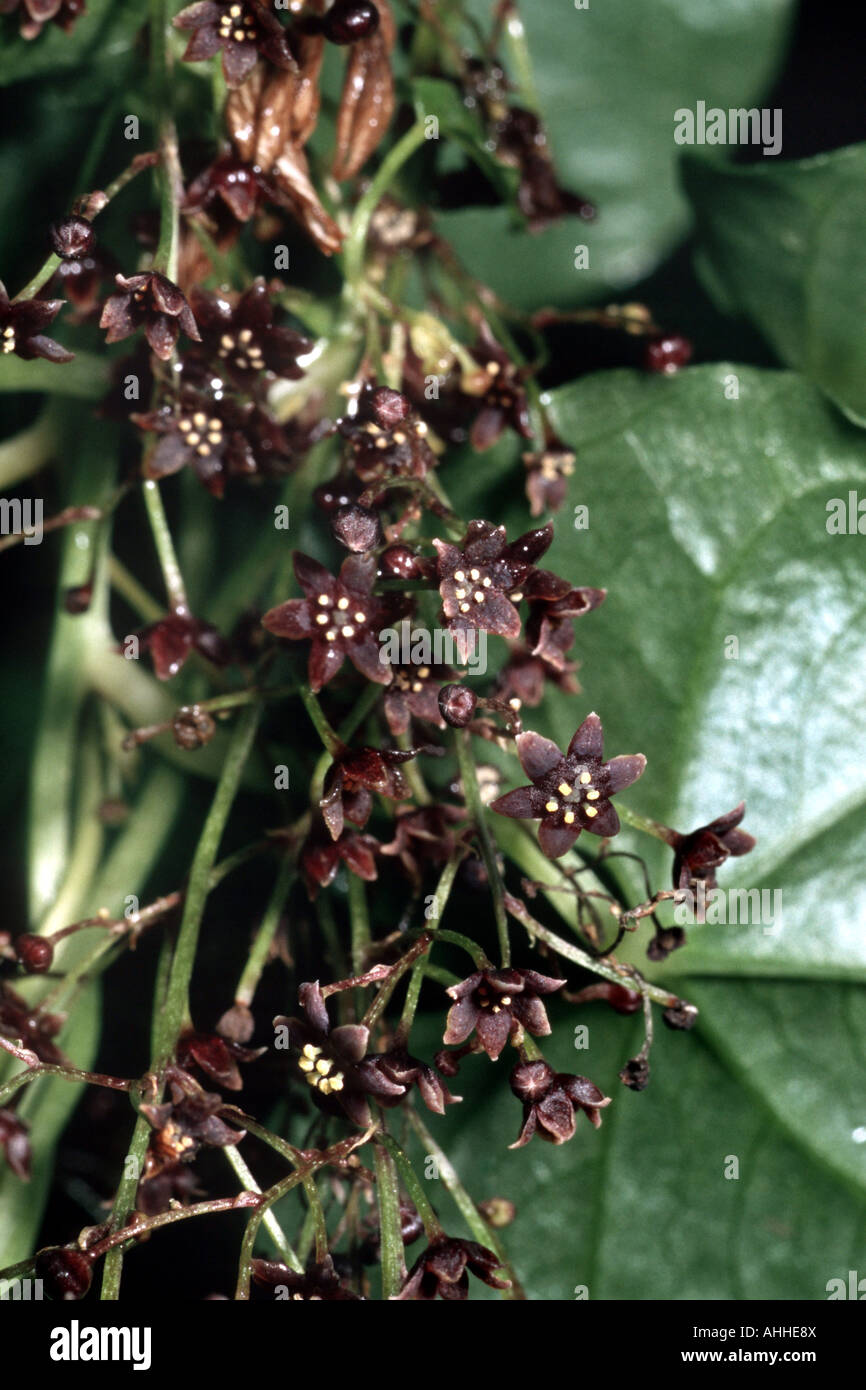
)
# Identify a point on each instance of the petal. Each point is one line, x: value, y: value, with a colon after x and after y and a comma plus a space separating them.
x: 313, y: 578
x: 204, y: 12
x: 555, y: 840
x: 40, y: 346
x: 357, y: 852
x: 203, y: 44
x: 358, y: 573
x: 483, y: 542
x: 529, y: 547
x: 351, y: 1039
x: 521, y: 804
x: 162, y: 334
x: 588, y: 741
x: 366, y: 656
x: 324, y: 662
x: 624, y: 770
x: 530, y: 1011
x: 541, y: 984
x: 239, y: 59
x: 117, y: 317
x: 313, y: 1005
x: 291, y: 619
x: 605, y: 822
x: 493, y: 1030
x: 170, y: 455
x: 737, y: 842
x: 556, y: 1116
x: 529, y: 1126
x: 537, y: 755
x: 462, y: 1018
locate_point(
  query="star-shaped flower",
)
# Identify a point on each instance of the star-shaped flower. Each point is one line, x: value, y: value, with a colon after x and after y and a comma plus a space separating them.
x: 569, y: 793
x: 35, y: 14
x: 153, y: 300
x: 243, y: 29
x: 396, y: 1065
x: 355, y: 775
x: 483, y: 579
x: 333, y: 1061
x: 338, y: 616
x: 172, y: 638
x: 494, y: 1003
x: 386, y: 437
x: 414, y: 690
x: 551, y: 1101
x: 21, y: 325
x: 241, y: 338
x: 698, y: 854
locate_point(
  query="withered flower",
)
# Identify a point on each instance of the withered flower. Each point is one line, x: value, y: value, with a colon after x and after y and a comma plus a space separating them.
x: 569, y: 793
x: 521, y: 141
x: 21, y: 325
x: 698, y: 854
x: 494, y: 1003
x: 367, y: 99
x: 396, y: 1065
x: 155, y: 301
x: 241, y: 339
x: 34, y: 1029
x: 35, y: 14
x: 15, y: 1143
x: 319, y: 1284
x: 189, y: 1121
x: 443, y: 1270
x: 333, y: 1060
x: 548, y: 472
x: 501, y: 391
x: 217, y: 1057
x: 551, y: 1101
x: 338, y: 616
x: 242, y: 29
x: 483, y: 578
x: 321, y: 856
x: 355, y: 775
x: 172, y: 638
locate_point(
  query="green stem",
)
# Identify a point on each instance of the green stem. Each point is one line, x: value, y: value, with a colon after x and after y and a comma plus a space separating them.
x: 353, y: 254
x: 475, y: 807
x: 258, y: 957
x: 644, y: 823
x: 29, y: 450
x: 360, y: 922
x: 171, y: 182
x: 484, y: 1234
x: 269, y: 1221
x: 412, y: 1183
x: 329, y: 737
x: 388, y: 1197
x: 173, y: 579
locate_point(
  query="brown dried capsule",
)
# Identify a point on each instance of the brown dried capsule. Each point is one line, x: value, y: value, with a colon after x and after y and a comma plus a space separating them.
x: 192, y: 727
x: 65, y: 1272
x: 457, y: 705
x: 35, y: 953
x: 680, y: 1016
x: 636, y: 1074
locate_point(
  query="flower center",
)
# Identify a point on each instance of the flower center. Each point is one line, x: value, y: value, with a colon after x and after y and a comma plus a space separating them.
x: 8, y: 339
x: 320, y: 1070
x: 566, y: 796
x: 236, y: 24
x: 494, y: 1002
x: 202, y: 432
x: 242, y: 351
x: 340, y: 619
x: 472, y: 586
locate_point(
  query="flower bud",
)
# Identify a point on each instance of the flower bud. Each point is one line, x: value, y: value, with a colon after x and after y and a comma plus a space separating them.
x: 398, y: 562
x: 350, y: 20
x: 65, y: 1272
x: 72, y: 238
x: 35, y: 953
x: 389, y: 408
x: 667, y: 354
x: 457, y: 705
x: 356, y: 527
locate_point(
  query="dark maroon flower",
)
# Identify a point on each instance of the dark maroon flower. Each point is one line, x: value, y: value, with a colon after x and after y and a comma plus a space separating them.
x: 82, y: 279
x: 154, y: 301
x: 333, y: 1060
x: 355, y: 775
x: 443, y: 1270
x: 414, y: 691
x: 548, y: 472
x: 386, y: 437
x: 15, y: 1143
x: 550, y: 629
x: 425, y: 837
x: 570, y: 793
x: 172, y: 638
x: 321, y: 856
x: 551, y: 1101
x: 30, y: 1027
x: 483, y: 578
x: 228, y: 184
x: 35, y: 14
x: 241, y: 338
x: 338, y: 616
x: 698, y: 854
x: 217, y: 1057
x: 191, y: 1120
x: 320, y: 1283
x: 21, y: 325
x: 494, y: 1003
x: 503, y: 397
x: 243, y: 29
x: 396, y: 1065
x: 218, y: 438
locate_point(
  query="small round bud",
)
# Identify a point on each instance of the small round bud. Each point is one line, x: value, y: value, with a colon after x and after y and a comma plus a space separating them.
x: 35, y: 953
x: 530, y: 1080
x: 399, y: 562
x: 389, y: 408
x: 457, y: 705
x: 355, y: 527
x: 236, y: 1024
x: 65, y: 1272
x: 667, y: 354
x: 72, y: 238
x: 635, y: 1074
x: 680, y: 1016
x: 350, y: 20
x: 77, y: 598
x: 498, y: 1212
x: 192, y: 727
